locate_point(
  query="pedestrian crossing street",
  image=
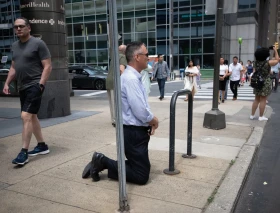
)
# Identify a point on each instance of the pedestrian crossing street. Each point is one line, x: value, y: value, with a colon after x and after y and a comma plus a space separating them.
x: 206, y: 93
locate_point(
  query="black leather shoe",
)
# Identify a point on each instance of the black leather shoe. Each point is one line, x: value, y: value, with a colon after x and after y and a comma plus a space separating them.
x: 86, y: 172
x: 96, y: 166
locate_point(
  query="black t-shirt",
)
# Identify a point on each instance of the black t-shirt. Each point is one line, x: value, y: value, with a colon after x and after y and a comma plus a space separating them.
x: 27, y: 59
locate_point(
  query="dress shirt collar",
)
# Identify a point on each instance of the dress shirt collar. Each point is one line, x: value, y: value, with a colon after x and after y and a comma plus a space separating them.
x: 134, y: 71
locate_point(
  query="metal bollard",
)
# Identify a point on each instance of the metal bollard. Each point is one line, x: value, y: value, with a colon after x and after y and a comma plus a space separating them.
x: 171, y: 170
x: 190, y: 121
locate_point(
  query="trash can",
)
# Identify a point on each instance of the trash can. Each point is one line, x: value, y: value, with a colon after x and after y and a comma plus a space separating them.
x: 13, y: 85
x: 182, y: 73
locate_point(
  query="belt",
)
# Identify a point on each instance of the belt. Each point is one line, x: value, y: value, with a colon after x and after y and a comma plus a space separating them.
x: 136, y: 127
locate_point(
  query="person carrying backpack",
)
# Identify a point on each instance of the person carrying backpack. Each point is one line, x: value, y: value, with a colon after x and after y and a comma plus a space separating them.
x: 261, y: 81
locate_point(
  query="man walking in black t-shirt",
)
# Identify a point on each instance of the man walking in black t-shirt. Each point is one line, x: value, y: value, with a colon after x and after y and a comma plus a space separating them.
x: 31, y: 66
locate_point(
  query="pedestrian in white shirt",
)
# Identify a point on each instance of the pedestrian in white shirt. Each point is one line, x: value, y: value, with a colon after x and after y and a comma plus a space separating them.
x: 222, y: 79
x: 235, y: 70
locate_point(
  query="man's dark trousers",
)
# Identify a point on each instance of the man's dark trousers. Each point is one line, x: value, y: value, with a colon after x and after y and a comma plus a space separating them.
x: 136, y: 140
x: 234, y: 87
x: 161, y: 85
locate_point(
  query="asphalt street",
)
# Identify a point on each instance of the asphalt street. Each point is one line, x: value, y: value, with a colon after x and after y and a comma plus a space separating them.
x: 261, y: 192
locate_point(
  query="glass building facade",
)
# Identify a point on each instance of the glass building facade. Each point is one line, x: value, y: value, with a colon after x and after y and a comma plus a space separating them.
x: 138, y: 20
x: 9, y: 10
x: 141, y: 20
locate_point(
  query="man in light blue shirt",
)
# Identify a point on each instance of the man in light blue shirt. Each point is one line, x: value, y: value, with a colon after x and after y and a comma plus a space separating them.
x: 139, y: 122
x: 275, y: 71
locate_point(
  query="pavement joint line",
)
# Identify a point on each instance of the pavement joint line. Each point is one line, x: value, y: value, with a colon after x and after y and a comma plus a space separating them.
x: 226, y: 199
x: 117, y: 189
x: 53, y: 201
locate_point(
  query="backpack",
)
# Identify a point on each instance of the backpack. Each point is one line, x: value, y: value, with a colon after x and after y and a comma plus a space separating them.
x: 257, y: 80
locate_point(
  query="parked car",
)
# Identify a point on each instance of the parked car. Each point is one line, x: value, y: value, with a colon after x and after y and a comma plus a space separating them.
x: 88, y: 77
x: 4, y: 70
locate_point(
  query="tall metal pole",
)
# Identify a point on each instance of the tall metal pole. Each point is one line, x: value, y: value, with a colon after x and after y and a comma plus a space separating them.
x: 239, y: 52
x: 218, y: 44
x: 215, y: 119
x: 123, y: 202
x: 171, y: 39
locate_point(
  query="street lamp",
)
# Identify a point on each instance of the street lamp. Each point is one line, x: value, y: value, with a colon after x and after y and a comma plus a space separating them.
x: 240, y: 42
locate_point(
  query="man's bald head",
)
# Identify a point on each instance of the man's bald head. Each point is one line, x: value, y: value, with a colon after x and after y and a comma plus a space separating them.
x: 122, y: 48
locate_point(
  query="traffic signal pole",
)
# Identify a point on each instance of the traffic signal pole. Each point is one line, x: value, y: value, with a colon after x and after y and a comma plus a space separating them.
x: 215, y: 119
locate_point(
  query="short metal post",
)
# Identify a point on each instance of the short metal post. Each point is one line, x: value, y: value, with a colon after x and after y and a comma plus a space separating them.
x: 190, y: 123
x: 171, y: 170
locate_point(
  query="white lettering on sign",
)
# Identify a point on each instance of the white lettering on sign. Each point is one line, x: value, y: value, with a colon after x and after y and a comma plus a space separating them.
x: 42, y: 21
x: 51, y: 21
x: 38, y: 21
x: 34, y: 4
x: 61, y: 23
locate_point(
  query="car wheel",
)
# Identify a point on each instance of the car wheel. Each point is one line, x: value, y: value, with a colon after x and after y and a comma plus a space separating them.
x: 99, y: 85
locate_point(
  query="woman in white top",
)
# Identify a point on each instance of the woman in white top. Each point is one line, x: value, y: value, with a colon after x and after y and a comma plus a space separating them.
x: 191, y: 72
x: 222, y: 79
x: 146, y: 79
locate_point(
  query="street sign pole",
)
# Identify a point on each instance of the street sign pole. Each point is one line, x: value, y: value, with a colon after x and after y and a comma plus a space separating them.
x: 215, y: 119
x: 240, y: 42
x: 171, y: 39
x: 123, y: 201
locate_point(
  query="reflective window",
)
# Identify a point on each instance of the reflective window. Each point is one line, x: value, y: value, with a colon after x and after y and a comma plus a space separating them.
x: 196, y: 14
x: 183, y: 3
x: 70, y: 43
x: 161, y: 47
x: 196, y: 46
x: 246, y: 4
x: 141, y: 24
x: 100, y: 6
x: 79, y: 43
x: 77, y: 9
x: 102, y: 42
x: 139, y: 5
x: 79, y: 57
x: 196, y: 29
x: 161, y: 32
x: 91, y: 56
x: 68, y: 10
x: 151, y: 39
x: 197, y: 2
x: 128, y: 5
x: 78, y: 29
x: 141, y: 37
x: 161, y: 4
x: 184, y: 14
x: 161, y: 17
x: 208, y: 61
x: 90, y: 29
x: 89, y: 7
x: 101, y: 27
x: 184, y: 47
x: 128, y: 25
x: 91, y: 42
x: 208, y: 45
x: 69, y: 30
x: 209, y: 28
x: 102, y: 56
x: 184, y: 30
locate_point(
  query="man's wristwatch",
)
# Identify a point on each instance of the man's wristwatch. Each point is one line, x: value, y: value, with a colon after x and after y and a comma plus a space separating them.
x: 42, y: 86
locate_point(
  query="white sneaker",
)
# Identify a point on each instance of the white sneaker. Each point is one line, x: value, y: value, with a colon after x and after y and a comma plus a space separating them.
x: 263, y: 118
x: 252, y: 117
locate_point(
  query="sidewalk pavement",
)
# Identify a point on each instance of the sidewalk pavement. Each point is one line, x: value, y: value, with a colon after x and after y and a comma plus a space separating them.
x: 53, y: 183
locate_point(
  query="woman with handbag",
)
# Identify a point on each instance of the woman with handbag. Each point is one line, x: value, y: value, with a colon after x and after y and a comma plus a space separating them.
x: 262, y: 87
x: 191, y: 72
x: 222, y: 79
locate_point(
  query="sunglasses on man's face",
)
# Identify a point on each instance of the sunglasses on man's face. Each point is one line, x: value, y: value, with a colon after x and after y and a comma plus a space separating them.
x: 19, y: 26
x: 147, y: 54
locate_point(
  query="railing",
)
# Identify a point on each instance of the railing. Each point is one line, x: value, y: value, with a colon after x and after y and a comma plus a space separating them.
x: 171, y: 170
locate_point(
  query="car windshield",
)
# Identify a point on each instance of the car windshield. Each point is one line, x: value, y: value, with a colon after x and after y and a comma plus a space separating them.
x: 89, y: 71
x: 96, y: 68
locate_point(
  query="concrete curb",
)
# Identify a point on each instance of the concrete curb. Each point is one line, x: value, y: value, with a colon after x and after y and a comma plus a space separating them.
x: 228, y: 192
